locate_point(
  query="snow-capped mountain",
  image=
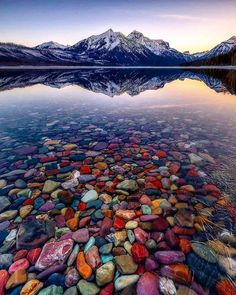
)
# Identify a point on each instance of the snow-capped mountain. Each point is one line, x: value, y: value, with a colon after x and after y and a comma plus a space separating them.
x: 50, y: 45
x: 108, y: 49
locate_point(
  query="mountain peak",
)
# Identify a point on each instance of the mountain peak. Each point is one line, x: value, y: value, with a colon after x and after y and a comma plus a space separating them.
x: 50, y: 45
x: 135, y: 35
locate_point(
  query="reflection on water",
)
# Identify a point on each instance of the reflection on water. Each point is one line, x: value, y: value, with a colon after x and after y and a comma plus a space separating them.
x: 114, y: 82
x: 175, y: 143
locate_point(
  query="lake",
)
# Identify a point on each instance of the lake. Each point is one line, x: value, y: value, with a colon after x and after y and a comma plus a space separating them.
x: 138, y: 162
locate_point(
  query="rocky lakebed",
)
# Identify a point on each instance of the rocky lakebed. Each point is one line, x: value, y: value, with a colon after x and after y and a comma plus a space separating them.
x: 114, y: 201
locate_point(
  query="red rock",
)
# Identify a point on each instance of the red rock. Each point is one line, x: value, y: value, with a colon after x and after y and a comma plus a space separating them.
x: 226, y: 287
x: 54, y: 253
x: 92, y: 257
x: 148, y: 284
x: 139, y: 252
x: 85, y: 169
x: 4, y: 276
x: 108, y: 290
x: 106, y: 226
x: 28, y: 202
x: 20, y: 254
x: 33, y: 255
x: 47, y: 159
x: 82, y: 206
x: 160, y: 224
x: 179, y: 273
x: 19, y: 264
x: 69, y: 213
x: 174, y: 168
x: 119, y: 223
x: 183, y: 231
x: 161, y: 154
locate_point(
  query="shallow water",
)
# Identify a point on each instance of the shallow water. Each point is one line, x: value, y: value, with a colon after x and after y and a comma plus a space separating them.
x: 134, y: 114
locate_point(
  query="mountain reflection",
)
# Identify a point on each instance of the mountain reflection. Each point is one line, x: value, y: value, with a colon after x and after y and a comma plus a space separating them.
x: 114, y: 82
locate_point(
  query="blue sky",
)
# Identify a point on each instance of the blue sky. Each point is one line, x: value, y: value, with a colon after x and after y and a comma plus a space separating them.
x: 187, y: 25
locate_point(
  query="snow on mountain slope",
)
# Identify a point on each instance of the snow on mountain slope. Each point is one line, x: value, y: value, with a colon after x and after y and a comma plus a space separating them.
x: 50, y: 45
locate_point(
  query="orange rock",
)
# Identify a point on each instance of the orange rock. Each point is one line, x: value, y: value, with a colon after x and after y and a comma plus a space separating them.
x: 72, y: 223
x: 185, y: 245
x: 179, y: 273
x: 225, y: 287
x: 17, y: 278
x: 83, y: 268
x: 31, y: 287
x: 107, y: 213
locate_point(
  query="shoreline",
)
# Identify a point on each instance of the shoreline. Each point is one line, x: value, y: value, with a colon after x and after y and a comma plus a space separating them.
x: 115, y: 67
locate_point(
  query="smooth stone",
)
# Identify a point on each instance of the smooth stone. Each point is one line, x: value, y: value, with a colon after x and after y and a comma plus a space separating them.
x: 183, y: 290
x: 228, y: 265
x: 19, y: 264
x: 72, y: 277
x: 17, y: 278
x: 125, y: 264
x: 71, y: 291
x: 25, y: 211
x: 32, y: 287
x: 132, y: 224
x: 54, y: 253
x: 184, y: 218
x: 4, y: 203
x: 91, y: 195
x: 11, y: 236
x: 203, y: 251
x: 148, y: 284
x: 8, y: 215
x: 167, y: 286
x: 89, y: 244
x: 73, y: 255
x: 128, y: 185
x: 87, y: 288
x: 179, y: 273
x: 81, y: 235
x: 53, y: 289
x: 106, y: 249
x: 51, y: 270
x: 34, y: 233
x: 125, y: 281
x: 50, y: 186
x: 92, y: 257
x: 105, y: 273
x: 170, y: 257
x: 5, y: 261
x: 4, y: 276
x: 140, y: 235
x: 20, y: 183
x: 83, y: 267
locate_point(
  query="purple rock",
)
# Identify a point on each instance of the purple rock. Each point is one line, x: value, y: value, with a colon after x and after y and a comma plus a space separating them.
x: 47, y: 206
x: 60, y: 221
x: 148, y: 284
x: 100, y: 146
x: 148, y: 217
x: 81, y: 235
x: 66, y: 236
x: 72, y: 277
x: 151, y: 264
x: 169, y: 257
x: 54, y: 253
x: 26, y: 150
x: 50, y: 270
x: 4, y: 225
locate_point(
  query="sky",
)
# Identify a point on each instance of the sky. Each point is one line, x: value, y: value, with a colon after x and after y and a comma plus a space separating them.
x: 193, y: 25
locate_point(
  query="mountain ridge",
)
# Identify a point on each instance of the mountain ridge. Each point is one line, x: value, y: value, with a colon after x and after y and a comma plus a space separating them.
x: 107, y: 49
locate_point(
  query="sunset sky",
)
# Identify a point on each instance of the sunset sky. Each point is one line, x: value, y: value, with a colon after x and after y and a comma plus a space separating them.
x: 186, y: 25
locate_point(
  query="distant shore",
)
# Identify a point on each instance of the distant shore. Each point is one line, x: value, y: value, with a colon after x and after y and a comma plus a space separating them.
x: 115, y: 67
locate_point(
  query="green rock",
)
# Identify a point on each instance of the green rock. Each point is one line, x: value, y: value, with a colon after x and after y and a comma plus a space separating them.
x: 53, y: 289
x: 71, y: 291
x: 128, y: 185
x: 50, y: 186
x: 146, y: 210
x: 125, y: 281
x: 105, y: 273
x: 89, y: 244
x: 106, y: 249
x: 87, y: 288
